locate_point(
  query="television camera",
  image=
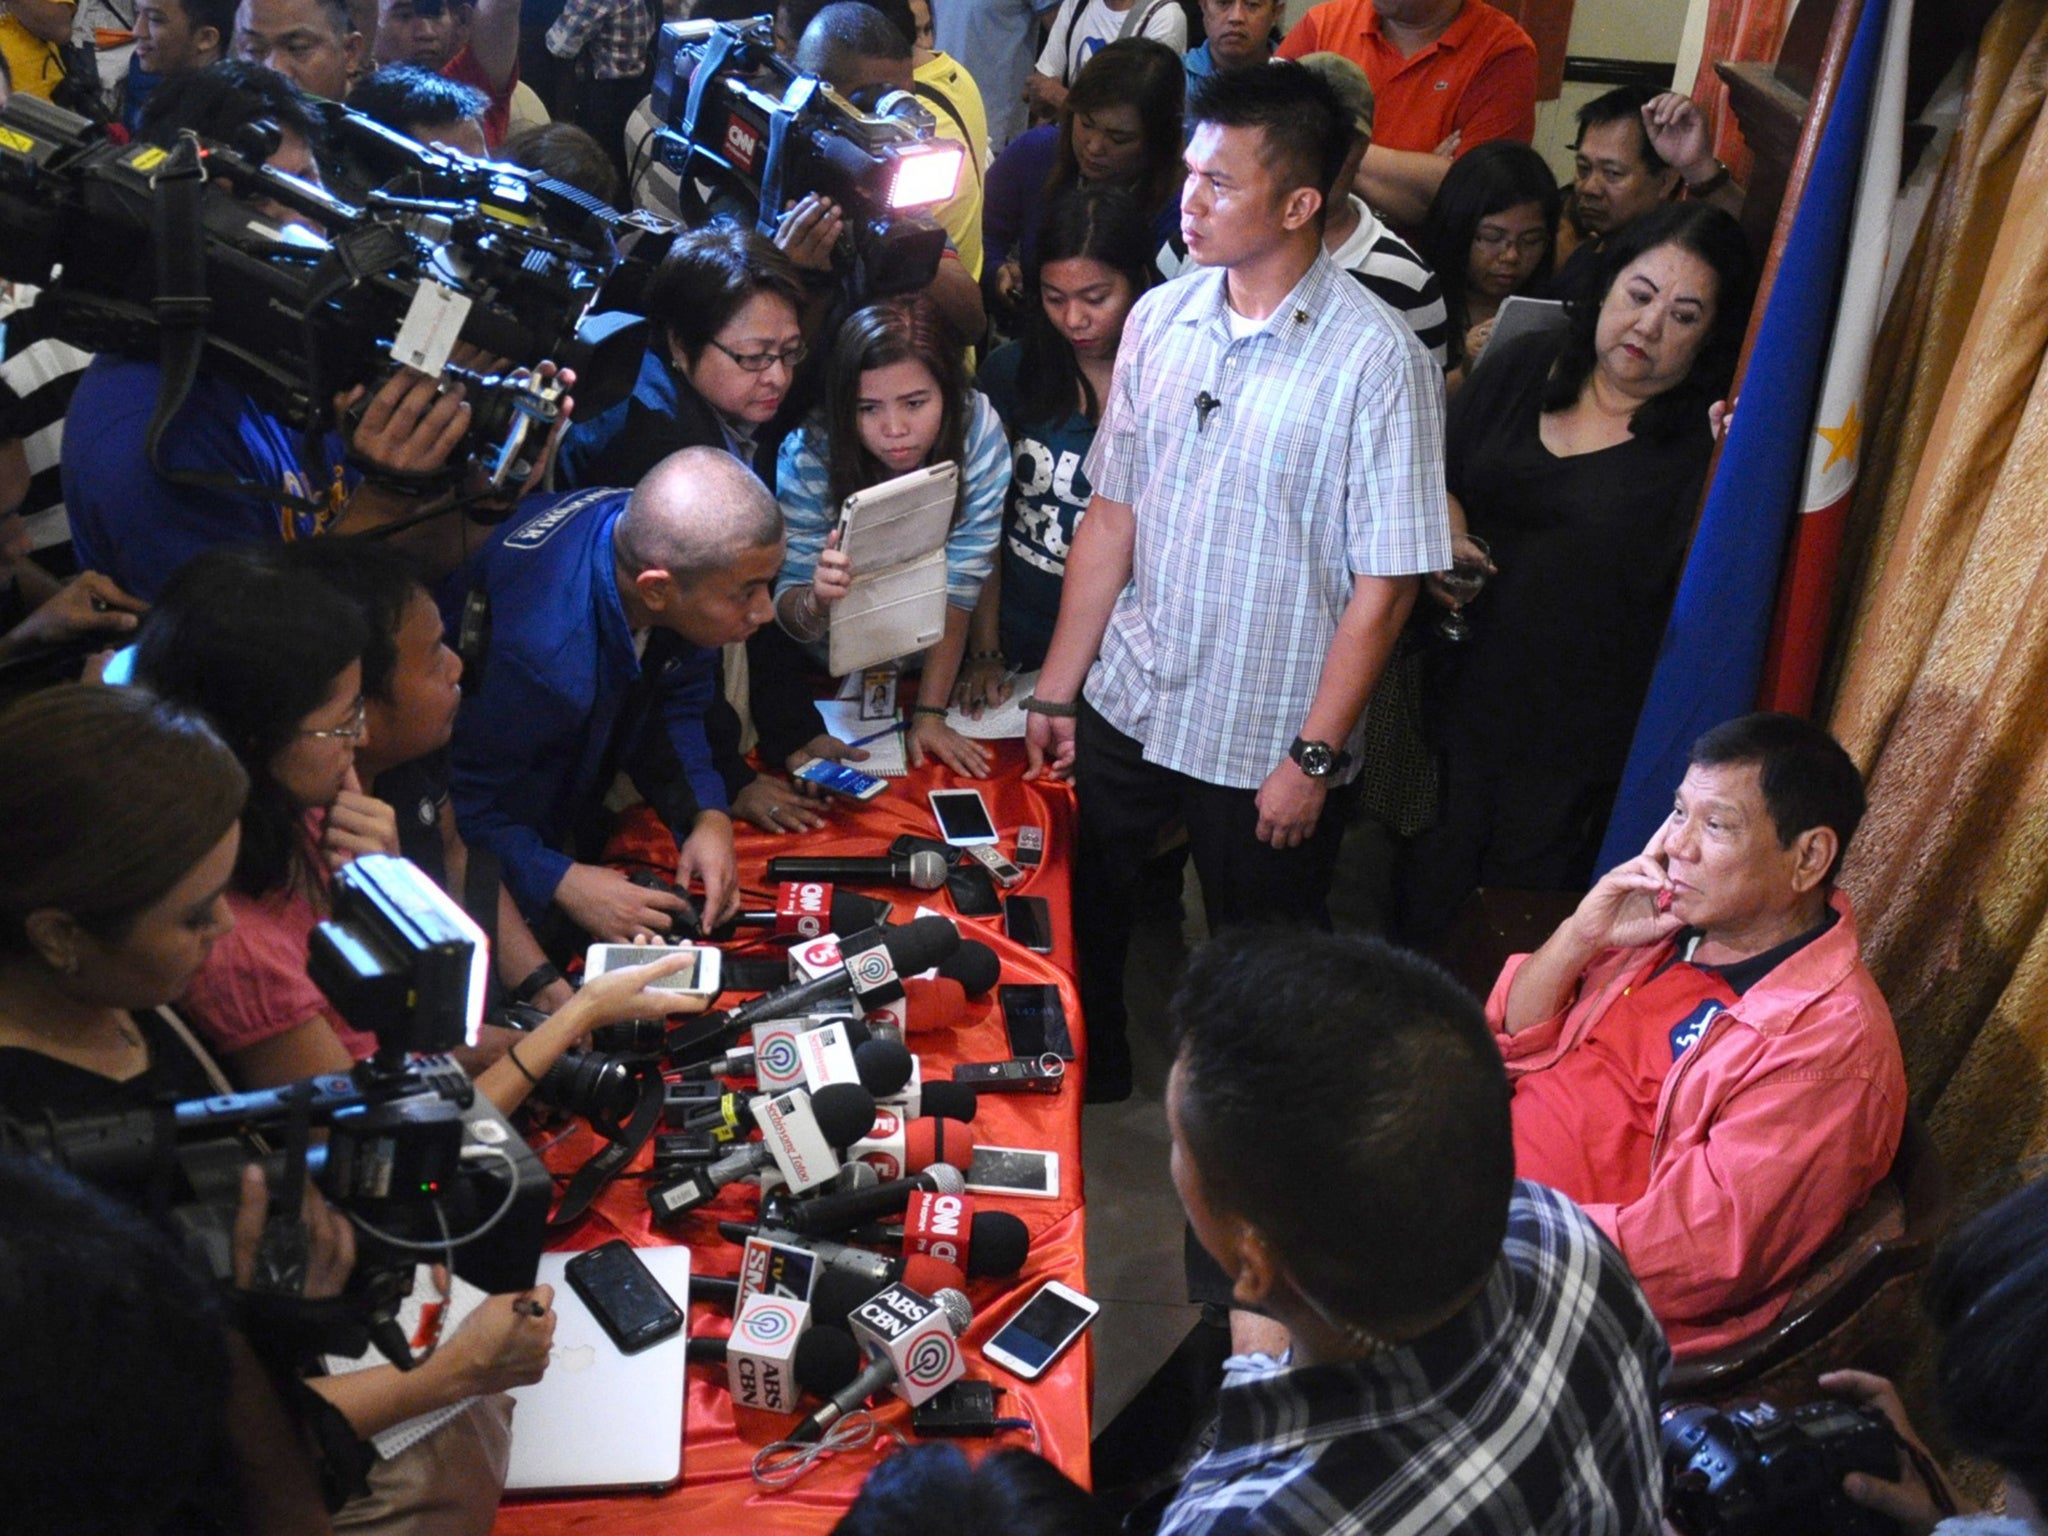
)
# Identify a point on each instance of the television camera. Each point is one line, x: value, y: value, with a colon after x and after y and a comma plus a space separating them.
x: 412, y: 1154
x: 746, y: 133
x: 138, y: 252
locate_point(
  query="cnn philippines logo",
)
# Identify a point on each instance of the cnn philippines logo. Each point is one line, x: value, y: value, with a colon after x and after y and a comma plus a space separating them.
x: 811, y: 910
x: 766, y: 1324
x: 931, y: 1360
x: 779, y: 1057
x: 742, y: 143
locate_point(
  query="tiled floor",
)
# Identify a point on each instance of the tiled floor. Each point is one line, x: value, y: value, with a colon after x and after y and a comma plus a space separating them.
x: 1134, y: 1217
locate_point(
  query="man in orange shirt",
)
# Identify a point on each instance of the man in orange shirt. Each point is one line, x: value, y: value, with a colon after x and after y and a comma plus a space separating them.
x: 1448, y: 75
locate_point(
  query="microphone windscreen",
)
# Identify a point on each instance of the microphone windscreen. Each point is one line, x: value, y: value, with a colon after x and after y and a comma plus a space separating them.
x: 931, y: 1139
x: 923, y: 942
x: 975, y: 966
x: 930, y: 1005
x: 884, y: 1066
x: 844, y: 1112
x: 857, y: 1033
x: 956, y: 1101
x: 852, y: 911
x: 826, y: 1359
x: 931, y: 1277
x: 927, y: 873
x: 838, y: 1292
x: 998, y: 1244
x: 959, y: 1310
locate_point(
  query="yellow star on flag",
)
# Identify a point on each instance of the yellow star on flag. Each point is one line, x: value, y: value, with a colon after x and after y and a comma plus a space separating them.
x: 1841, y: 440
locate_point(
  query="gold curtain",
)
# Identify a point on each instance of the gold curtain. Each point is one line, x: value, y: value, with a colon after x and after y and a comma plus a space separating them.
x: 1941, y: 687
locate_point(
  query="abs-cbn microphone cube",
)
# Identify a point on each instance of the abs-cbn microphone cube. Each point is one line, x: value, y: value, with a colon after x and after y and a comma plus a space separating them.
x: 758, y: 1355
x: 917, y: 1336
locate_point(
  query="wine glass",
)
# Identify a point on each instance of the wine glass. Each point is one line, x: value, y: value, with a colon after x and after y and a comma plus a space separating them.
x: 1463, y: 581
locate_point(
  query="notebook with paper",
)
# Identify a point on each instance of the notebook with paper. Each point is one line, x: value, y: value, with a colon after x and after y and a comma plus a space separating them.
x: 894, y: 536
x: 598, y: 1419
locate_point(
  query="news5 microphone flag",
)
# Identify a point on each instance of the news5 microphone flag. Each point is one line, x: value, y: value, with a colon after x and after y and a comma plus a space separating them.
x: 1711, y: 659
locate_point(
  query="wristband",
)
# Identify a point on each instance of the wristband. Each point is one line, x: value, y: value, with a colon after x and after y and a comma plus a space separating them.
x: 986, y: 656
x: 928, y: 709
x: 1712, y: 184
x: 512, y: 1055
x: 1053, y: 707
x: 537, y: 981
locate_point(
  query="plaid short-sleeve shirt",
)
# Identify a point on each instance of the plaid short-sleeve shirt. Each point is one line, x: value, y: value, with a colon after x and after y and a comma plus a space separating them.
x: 1263, y: 471
x: 1531, y: 1413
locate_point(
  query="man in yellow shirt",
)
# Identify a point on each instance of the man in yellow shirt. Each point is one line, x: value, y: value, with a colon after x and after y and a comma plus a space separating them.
x: 30, y: 31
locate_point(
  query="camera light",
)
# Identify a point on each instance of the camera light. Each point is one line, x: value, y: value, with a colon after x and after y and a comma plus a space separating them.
x: 926, y: 173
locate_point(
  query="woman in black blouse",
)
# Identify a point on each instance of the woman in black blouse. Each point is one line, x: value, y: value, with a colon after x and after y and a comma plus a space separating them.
x: 1579, y: 463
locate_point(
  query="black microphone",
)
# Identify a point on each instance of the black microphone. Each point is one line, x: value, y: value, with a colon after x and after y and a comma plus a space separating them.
x: 824, y: 1214
x: 846, y: 911
x: 1204, y: 404
x: 872, y: 965
x: 880, y: 1372
x: 976, y: 967
x: 839, y: 1114
x: 924, y: 869
x: 826, y: 1359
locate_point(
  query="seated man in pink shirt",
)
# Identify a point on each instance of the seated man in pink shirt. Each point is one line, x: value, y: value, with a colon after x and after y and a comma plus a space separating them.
x: 1699, y: 1057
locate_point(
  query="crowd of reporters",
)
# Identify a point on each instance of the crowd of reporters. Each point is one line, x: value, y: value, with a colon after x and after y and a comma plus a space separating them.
x: 295, y: 705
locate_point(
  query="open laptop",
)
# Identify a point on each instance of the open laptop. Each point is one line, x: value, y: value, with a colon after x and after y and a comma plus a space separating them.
x: 600, y: 1420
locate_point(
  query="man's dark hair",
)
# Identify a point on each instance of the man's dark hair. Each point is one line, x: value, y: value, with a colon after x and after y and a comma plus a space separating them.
x: 1988, y: 1295
x: 381, y: 581
x: 117, y: 1362
x: 565, y: 153
x: 932, y: 1490
x: 1624, y: 103
x: 217, y: 102
x: 1347, y: 1099
x: 404, y: 96
x: 1807, y: 779
x: 844, y: 31
x: 1307, y: 132
x: 899, y: 15
x: 217, y: 14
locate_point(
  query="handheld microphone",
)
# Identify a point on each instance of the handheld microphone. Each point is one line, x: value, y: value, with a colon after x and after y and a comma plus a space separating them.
x: 739, y: 1061
x: 914, y: 1346
x: 925, y: 870
x: 804, y: 909
x: 839, y: 1291
x: 861, y: 1265
x: 799, y: 1134
x: 975, y: 966
x: 872, y: 964
x: 947, y: 1226
x: 839, y: 1212
x: 896, y: 1147
x: 826, y: 1358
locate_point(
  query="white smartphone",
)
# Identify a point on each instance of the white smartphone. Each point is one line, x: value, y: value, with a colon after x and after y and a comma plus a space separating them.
x: 1022, y: 1171
x: 839, y: 779
x: 1040, y: 1330
x: 698, y: 980
x: 963, y: 817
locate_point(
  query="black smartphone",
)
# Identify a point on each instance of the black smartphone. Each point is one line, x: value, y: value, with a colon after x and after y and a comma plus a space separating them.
x: 1028, y: 920
x: 1036, y: 1021
x: 623, y: 1295
x: 973, y: 890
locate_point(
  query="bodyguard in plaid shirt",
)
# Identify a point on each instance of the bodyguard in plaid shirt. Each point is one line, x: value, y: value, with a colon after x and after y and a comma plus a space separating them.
x: 1268, y: 486
x: 1468, y: 1352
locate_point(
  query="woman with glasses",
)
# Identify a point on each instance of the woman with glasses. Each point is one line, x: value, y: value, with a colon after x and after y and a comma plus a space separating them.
x: 726, y: 344
x: 272, y: 657
x: 1491, y: 232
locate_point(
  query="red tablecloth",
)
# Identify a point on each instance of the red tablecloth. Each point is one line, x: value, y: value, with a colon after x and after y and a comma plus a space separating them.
x: 717, y: 1493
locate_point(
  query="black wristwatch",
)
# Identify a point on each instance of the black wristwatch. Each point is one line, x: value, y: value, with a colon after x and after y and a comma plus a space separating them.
x: 1318, y: 759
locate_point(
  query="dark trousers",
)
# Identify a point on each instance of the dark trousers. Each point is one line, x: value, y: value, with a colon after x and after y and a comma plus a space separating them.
x: 1125, y: 804
x: 602, y: 108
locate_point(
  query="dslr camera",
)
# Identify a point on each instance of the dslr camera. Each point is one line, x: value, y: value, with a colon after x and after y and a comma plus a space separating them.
x: 747, y: 134
x: 1755, y: 1469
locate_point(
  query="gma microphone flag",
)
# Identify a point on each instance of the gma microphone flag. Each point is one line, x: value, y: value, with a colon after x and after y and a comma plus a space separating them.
x: 1799, y: 631
x: 1712, y: 653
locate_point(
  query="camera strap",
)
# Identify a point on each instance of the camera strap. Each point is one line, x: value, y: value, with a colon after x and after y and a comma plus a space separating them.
x: 622, y: 1145
x: 182, y: 310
